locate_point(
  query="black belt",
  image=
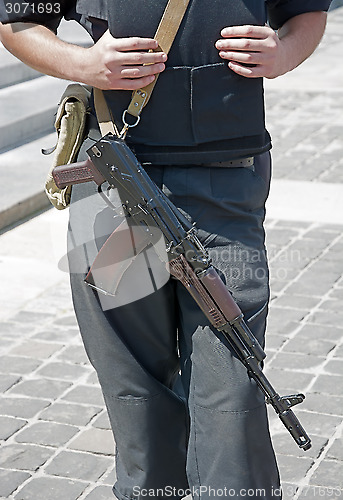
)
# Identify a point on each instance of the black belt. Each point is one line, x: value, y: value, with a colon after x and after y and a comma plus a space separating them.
x: 240, y: 162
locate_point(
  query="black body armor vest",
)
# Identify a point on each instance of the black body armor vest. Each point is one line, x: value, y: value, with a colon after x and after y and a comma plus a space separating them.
x: 198, y: 100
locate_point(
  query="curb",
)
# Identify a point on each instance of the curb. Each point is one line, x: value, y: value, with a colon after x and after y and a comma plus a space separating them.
x: 23, y: 210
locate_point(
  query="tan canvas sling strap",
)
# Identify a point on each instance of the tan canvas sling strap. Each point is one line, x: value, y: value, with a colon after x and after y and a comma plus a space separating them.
x: 165, y: 35
x: 105, y: 120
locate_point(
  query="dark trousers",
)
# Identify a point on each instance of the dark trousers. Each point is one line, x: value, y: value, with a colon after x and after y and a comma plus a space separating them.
x: 185, y: 415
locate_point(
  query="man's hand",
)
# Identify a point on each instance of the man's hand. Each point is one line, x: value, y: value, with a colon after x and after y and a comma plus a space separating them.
x: 252, y: 51
x: 257, y: 51
x: 122, y: 63
x: 111, y: 63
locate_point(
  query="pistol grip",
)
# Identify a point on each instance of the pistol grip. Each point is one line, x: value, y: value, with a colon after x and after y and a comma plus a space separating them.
x: 76, y: 173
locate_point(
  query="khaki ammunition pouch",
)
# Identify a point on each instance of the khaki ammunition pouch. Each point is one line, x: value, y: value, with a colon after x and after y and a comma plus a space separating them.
x: 70, y: 125
x: 71, y: 116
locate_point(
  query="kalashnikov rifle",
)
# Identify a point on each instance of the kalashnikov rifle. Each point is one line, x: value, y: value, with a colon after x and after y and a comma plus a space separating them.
x: 147, y: 208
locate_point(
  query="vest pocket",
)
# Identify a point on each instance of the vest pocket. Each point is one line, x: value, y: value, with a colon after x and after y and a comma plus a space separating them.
x: 195, y: 105
x: 224, y: 104
x: 167, y: 117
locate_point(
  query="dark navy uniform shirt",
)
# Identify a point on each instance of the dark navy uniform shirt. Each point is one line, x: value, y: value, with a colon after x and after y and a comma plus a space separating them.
x: 212, y: 114
x: 279, y: 11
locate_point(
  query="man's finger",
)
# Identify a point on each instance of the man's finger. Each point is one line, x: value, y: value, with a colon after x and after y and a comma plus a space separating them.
x: 135, y: 84
x: 140, y: 58
x: 248, y: 31
x: 243, y: 57
x: 141, y: 71
x: 135, y: 43
x: 253, y: 45
x: 255, y: 72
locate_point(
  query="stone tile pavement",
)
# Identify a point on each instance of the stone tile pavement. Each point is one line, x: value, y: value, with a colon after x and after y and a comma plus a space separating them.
x: 304, y: 347
x: 55, y: 440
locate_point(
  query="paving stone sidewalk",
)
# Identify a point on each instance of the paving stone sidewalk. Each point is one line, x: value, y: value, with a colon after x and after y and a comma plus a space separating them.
x: 55, y: 434
x: 55, y: 439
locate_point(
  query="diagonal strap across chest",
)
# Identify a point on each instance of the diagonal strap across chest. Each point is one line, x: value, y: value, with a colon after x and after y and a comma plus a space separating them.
x: 165, y: 35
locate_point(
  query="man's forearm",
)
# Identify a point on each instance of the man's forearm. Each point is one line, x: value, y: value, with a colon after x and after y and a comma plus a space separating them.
x: 41, y: 49
x: 111, y: 63
x: 299, y: 37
